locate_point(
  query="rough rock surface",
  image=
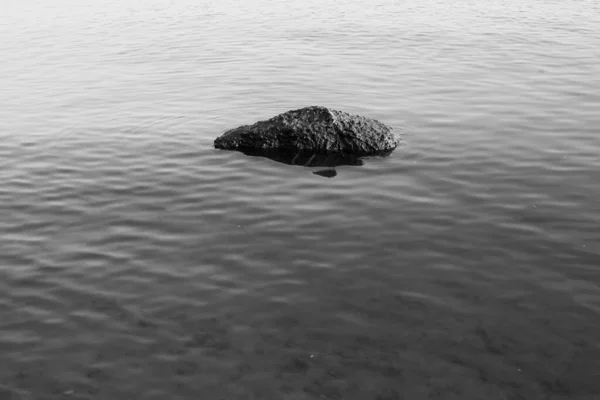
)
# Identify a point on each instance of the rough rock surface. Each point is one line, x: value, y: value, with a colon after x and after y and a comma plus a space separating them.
x: 314, y: 129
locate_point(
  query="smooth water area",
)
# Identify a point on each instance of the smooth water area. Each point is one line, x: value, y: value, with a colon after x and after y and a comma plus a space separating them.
x: 138, y: 262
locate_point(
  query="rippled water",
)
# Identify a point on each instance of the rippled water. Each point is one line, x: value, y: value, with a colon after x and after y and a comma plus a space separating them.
x: 137, y: 262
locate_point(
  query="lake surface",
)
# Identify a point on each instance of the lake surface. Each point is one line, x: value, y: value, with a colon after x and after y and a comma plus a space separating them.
x: 138, y: 262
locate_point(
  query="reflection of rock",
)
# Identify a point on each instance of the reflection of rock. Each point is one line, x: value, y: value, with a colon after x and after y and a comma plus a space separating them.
x: 327, y: 173
x: 307, y: 159
x: 315, y: 130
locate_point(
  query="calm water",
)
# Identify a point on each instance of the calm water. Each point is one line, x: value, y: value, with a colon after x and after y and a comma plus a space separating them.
x: 137, y: 262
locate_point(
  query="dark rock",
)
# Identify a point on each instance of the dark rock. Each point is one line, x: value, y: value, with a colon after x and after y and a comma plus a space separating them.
x: 313, y: 130
x: 327, y: 173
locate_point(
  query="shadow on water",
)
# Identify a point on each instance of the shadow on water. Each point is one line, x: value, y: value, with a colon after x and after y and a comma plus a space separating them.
x: 326, y: 173
x: 311, y: 159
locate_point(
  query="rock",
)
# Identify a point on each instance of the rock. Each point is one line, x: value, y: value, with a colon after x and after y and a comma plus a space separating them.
x: 312, y: 130
x: 327, y: 173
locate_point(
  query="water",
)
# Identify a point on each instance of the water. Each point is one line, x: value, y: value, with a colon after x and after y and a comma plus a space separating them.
x: 137, y: 262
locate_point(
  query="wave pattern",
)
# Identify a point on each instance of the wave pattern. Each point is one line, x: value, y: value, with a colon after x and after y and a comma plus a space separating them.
x: 138, y: 261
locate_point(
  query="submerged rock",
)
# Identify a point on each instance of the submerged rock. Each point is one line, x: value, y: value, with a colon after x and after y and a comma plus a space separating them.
x: 327, y: 173
x: 312, y: 130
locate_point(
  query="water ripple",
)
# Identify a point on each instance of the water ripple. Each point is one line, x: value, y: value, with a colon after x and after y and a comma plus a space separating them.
x: 464, y: 265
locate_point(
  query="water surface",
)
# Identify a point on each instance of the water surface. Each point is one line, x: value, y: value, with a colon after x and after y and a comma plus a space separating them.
x: 138, y: 262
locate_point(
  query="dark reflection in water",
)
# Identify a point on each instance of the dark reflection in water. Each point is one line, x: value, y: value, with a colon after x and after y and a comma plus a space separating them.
x: 307, y: 159
x: 312, y: 159
x: 326, y: 173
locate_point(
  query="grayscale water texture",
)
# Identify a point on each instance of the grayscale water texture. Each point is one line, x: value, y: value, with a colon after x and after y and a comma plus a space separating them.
x: 138, y: 262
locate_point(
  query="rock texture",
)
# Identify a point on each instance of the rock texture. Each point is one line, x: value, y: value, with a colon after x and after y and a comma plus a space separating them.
x: 313, y: 129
